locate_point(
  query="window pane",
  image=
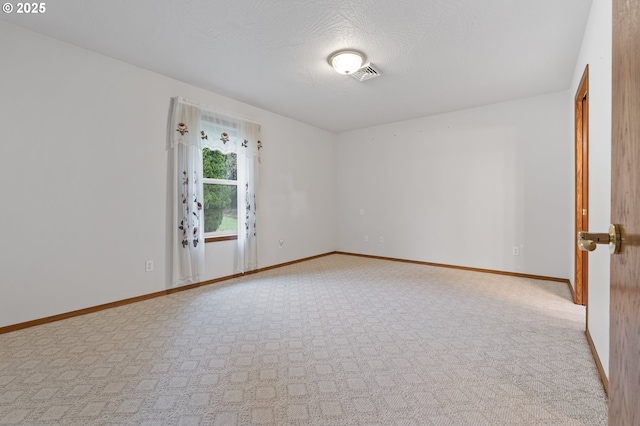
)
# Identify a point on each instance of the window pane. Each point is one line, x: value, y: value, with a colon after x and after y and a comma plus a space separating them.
x: 220, y: 208
x: 216, y: 165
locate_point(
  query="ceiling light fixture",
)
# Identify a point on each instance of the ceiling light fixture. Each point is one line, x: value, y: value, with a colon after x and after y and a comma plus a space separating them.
x: 346, y: 61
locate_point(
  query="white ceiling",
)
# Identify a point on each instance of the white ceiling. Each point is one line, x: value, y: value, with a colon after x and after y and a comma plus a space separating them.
x: 434, y: 55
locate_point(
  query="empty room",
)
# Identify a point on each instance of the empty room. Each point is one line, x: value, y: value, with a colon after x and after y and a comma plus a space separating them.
x: 319, y: 213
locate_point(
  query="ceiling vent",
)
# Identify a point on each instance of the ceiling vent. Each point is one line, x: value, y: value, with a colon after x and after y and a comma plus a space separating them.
x: 367, y: 72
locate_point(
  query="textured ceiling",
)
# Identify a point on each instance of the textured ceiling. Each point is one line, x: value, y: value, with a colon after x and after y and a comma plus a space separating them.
x: 435, y: 55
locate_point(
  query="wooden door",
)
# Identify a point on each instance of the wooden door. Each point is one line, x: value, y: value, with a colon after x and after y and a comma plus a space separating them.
x: 624, y: 363
x: 582, y: 185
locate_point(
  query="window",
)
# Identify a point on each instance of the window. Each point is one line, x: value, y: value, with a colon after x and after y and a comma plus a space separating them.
x: 216, y: 170
x: 220, y: 187
x: 220, y: 177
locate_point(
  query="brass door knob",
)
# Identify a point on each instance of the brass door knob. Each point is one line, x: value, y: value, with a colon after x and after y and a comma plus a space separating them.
x: 587, y: 241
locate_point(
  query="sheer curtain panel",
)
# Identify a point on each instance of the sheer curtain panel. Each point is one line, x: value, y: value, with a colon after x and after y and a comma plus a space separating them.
x: 248, y: 173
x: 187, y: 242
x: 231, y: 134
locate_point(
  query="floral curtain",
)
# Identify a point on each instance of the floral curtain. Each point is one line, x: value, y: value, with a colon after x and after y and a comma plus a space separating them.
x: 248, y: 173
x: 229, y: 134
x: 222, y: 133
x: 185, y: 144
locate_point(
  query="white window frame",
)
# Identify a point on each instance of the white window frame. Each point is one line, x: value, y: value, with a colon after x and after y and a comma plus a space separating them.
x: 209, y: 181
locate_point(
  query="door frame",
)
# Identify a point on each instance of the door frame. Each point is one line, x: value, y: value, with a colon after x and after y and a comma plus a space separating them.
x: 581, y: 103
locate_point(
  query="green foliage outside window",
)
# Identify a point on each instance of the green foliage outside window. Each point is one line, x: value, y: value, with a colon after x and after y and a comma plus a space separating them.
x: 220, y: 200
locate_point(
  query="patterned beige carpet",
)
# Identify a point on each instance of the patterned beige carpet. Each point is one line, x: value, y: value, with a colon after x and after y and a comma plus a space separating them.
x: 339, y: 340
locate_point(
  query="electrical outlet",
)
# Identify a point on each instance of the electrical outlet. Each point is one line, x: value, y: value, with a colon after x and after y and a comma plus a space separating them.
x: 148, y: 265
x: 515, y: 251
x: 366, y: 238
x: 361, y: 212
x: 281, y: 243
x: 381, y: 239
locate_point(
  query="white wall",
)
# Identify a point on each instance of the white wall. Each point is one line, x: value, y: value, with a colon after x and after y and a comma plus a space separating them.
x: 463, y: 188
x: 596, y: 51
x: 83, y: 169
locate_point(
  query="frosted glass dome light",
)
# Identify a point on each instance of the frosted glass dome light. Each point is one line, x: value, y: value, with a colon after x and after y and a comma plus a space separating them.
x: 346, y: 61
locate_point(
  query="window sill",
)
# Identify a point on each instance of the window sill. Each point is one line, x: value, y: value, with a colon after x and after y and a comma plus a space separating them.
x: 220, y: 238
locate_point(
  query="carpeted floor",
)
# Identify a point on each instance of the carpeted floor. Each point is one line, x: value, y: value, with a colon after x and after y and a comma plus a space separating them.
x: 339, y: 340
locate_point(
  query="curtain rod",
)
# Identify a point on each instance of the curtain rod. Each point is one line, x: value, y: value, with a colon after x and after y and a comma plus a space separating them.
x: 216, y: 110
